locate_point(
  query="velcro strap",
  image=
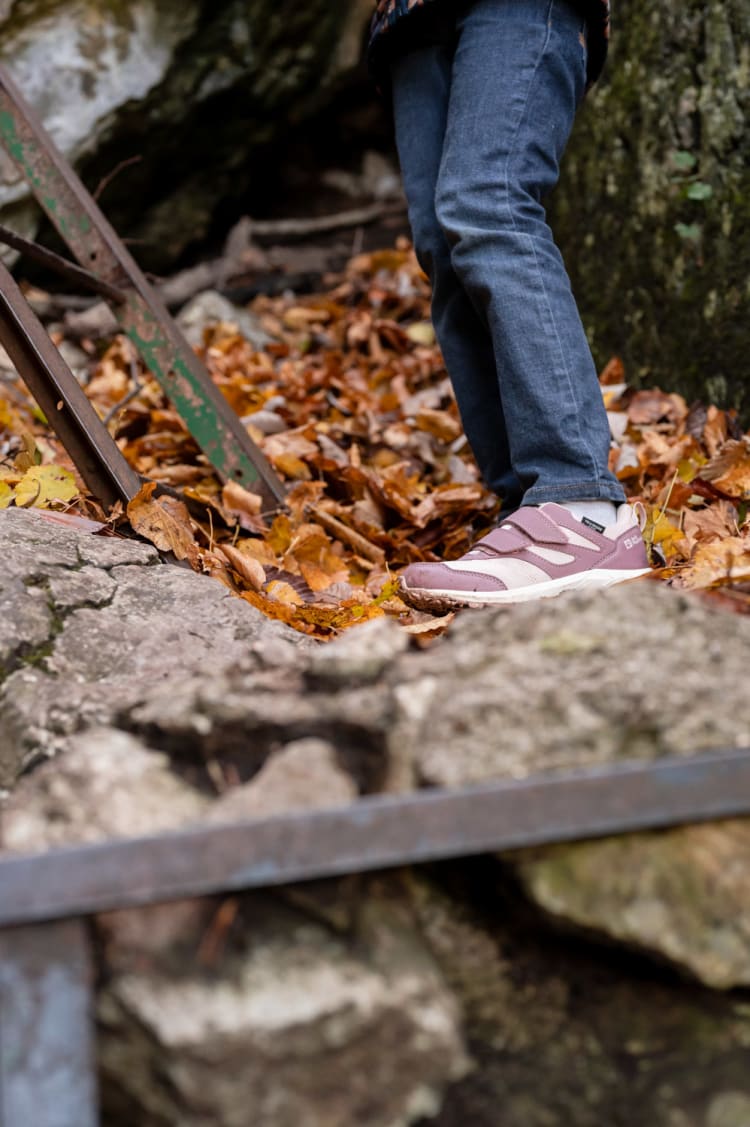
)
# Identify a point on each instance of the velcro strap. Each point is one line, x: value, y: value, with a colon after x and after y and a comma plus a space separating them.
x: 504, y: 540
x: 537, y: 526
x: 527, y: 523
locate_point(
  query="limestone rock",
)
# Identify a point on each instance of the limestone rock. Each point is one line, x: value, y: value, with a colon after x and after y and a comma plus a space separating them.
x: 638, y: 671
x: 683, y: 894
x: 565, y: 1032
x: 210, y: 308
x: 195, y: 89
x: 302, y: 1027
x: 302, y: 776
x: 107, y: 785
x: 90, y: 625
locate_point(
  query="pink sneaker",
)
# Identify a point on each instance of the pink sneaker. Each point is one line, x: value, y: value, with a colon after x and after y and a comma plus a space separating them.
x: 536, y: 553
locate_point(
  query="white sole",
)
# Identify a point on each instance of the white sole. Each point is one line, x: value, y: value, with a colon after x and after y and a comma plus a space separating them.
x: 585, y: 581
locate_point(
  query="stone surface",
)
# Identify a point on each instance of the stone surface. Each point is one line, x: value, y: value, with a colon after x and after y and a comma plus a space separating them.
x: 108, y: 785
x: 299, y: 1027
x: 564, y: 1032
x: 195, y: 90
x: 608, y: 968
x: 90, y: 625
x: 303, y: 776
x: 684, y: 894
x: 210, y: 308
x: 654, y: 194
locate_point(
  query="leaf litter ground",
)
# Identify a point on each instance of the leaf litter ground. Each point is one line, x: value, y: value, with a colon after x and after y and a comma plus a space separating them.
x: 351, y: 404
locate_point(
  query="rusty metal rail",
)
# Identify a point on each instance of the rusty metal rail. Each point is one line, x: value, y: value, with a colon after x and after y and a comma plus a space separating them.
x: 47, y: 1066
x: 107, y: 266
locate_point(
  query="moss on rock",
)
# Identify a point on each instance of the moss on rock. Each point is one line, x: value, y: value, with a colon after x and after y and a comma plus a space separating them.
x: 655, y: 199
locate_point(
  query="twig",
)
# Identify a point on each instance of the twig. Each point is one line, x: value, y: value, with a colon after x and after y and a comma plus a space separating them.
x: 342, y: 531
x: 291, y: 228
x: 107, y: 180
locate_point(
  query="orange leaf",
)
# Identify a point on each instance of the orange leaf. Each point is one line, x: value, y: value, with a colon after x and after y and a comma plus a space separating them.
x: 729, y: 471
x: 164, y: 521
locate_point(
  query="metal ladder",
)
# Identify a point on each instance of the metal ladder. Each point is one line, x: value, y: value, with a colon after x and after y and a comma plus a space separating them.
x: 107, y: 268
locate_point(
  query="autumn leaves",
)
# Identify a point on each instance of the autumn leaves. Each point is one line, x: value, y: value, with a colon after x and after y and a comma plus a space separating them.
x: 352, y: 406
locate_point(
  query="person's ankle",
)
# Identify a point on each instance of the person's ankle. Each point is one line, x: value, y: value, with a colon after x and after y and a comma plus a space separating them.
x: 602, y: 513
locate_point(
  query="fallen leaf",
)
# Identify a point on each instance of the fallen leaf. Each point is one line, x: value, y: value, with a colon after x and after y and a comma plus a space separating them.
x: 246, y: 567
x: 164, y: 521
x: 729, y: 471
x: 43, y: 486
x: 721, y: 562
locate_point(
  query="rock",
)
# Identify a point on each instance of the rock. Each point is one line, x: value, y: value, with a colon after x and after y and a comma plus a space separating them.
x: 196, y: 90
x: 564, y: 1032
x: 303, y: 776
x: 655, y: 184
x: 683, y: 894
x: 302, y: 1027
x: 90, y: 625
x: 632, y: 672
x: 360, y: 656
x: 210, y: 308
x: 107, y: 785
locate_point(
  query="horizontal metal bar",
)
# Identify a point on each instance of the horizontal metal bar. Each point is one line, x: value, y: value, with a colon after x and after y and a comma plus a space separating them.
x: 375, y: 833
x: 61, y: 265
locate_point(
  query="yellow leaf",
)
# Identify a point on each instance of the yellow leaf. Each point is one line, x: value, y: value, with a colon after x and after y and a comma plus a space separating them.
x: 284, y: 593
x: 6, y: 495
x: 717, y: 564
x: 43, y: 486
x: 421, y: 332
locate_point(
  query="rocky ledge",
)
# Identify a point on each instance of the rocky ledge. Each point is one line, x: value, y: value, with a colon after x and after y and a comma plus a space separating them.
x: 138, y: 697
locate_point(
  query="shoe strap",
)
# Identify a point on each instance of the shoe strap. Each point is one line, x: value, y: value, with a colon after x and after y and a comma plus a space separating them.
x: 526, y: 524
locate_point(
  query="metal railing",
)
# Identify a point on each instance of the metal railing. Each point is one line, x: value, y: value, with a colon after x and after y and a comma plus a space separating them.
x: 47, y: 1039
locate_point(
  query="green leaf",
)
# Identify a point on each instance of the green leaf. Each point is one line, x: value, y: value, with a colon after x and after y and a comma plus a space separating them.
x: 691, y: 232
x: 684, y: 160
x: 699, y: 191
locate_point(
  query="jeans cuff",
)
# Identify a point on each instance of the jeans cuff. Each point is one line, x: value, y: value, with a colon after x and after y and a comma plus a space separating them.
x: 578, y: 491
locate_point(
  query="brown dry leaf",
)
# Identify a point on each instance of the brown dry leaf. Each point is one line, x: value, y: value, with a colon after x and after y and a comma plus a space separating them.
x: 714, y: 430
x: 236, y: 499
x: 653, y: 406
x: 164, y: 521
x: 613, y: 372
x: 441, y: 424
x: 319, y: 565
x: 719, y: 563
x: 246, y: 567
x: 729, y: 471
x: 716, y: 522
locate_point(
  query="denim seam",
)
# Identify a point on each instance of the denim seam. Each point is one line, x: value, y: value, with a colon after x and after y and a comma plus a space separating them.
x: 582, y: 489
x: 529, y: 240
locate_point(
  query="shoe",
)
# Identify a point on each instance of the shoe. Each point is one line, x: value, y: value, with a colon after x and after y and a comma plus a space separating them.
x: 536, y: 553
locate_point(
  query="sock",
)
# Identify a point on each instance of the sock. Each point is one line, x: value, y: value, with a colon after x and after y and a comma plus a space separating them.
x: 603, y: 513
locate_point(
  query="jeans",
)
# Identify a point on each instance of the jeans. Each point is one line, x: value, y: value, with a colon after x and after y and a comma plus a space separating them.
x: 481, y: 124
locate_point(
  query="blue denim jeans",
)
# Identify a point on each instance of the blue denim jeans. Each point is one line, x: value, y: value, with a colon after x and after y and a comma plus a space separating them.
x: 481, y: 124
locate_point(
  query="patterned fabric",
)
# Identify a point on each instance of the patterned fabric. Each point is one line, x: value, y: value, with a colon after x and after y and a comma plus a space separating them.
x: 388, y: 13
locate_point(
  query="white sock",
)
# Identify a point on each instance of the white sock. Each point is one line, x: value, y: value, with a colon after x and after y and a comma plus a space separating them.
x: 603, y: 513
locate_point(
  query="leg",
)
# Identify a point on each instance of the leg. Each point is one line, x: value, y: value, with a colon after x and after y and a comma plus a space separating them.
x: 518, y: 75
x: 421, y: 89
